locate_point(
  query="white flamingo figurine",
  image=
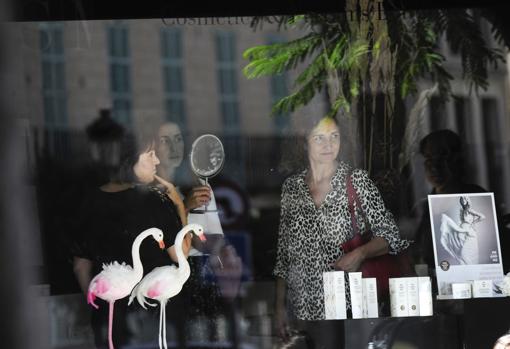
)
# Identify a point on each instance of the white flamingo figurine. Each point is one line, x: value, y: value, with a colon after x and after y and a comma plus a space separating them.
x: 163, y: 283
x: 116, y: 280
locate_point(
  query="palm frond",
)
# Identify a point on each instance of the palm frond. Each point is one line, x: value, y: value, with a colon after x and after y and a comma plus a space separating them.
x: 340, y: 103
x: 465, y: 37
x: 301, y: 96
x: 275, y: 58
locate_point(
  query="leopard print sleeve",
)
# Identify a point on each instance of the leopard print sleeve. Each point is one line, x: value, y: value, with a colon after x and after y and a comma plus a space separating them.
x: 380, y: 219
x: 282, y: 257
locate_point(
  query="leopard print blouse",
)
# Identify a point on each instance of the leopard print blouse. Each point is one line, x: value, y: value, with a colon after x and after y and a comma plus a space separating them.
x: 309, y: 238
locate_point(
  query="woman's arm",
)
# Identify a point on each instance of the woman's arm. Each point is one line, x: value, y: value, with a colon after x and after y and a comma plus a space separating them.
x: 352, y: 261
x: 280, y: 310
x: 478, y: 216
x: 198, y: 196
x: 172, y: 193
x: 282, y: 266
x: 380, y: 219
x: 448, y: 225
x: 82, y: 268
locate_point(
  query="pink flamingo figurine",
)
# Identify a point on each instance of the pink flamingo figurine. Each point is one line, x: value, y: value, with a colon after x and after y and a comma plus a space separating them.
x: 163, y: 283
x: 116, y: 280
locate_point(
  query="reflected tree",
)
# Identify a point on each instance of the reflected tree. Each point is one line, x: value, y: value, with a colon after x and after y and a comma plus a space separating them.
x: 369, y: 61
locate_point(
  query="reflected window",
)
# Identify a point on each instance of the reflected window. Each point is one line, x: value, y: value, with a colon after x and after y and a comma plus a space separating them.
x: 462, y: 117
x: 463, y: 121
x: 54, y: 87
x: 437, y: 114
x: 279, y: 89
x: 173, y: 83
x: 493, y: 145
x: 53, y: 75
x: 229, y: 103
x: 120, y: 79
x: 227, y: 79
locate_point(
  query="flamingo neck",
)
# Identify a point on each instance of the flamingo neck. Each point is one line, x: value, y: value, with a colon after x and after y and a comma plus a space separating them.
x: 135, y: 253
x: 181, y: 258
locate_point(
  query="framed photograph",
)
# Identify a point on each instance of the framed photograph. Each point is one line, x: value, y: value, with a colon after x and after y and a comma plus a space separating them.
x: 466, y: 240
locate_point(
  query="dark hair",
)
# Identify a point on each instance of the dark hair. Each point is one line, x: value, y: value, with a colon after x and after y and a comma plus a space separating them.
x: 295, y: 148
x: 130, y: 150
x: 447, y: 145
x: 444, y: 142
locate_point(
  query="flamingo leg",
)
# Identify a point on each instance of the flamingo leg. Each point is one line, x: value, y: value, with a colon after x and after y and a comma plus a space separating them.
x: 160, y: 326
x: 163, y: 306
x: 110, y: 325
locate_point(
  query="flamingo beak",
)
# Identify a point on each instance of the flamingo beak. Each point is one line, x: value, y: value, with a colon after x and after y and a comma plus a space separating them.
x: 161, y: 244
x: 202, y: 237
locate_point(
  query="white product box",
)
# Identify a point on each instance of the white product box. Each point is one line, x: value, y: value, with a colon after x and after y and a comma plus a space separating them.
x: 425, y: 294
x: 482, y: 288
x: 461, y: 290
x: 370, y: 305
x: 413, y: 299
x: 398, y: 297
x: 393, y: 295
x: 334, y: 295
x: 356, y: 289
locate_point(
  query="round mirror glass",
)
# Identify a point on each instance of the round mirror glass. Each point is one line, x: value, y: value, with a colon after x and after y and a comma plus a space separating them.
x: 207, y: 156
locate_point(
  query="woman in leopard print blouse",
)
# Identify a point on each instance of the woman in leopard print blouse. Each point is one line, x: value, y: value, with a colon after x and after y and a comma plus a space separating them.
x: 315, y: 221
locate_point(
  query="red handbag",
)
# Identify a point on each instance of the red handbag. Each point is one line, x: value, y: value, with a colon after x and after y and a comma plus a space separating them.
x: 381, y: 267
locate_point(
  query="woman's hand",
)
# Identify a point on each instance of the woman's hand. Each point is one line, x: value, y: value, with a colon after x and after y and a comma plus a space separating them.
x: 350, y: 262
x: 281, y: 319
x: 82, y: 268
x: 172, y: 193
x: 198, y: 196
x: 170, y: 190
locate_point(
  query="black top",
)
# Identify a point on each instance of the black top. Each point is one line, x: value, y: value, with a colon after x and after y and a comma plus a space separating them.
x: 110, y: 222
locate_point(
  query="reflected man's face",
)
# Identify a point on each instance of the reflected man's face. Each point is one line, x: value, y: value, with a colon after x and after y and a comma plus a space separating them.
x: 170, y: 148
x: 437, y: 170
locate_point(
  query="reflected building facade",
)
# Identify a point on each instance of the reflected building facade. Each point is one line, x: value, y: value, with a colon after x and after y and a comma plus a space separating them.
x: 148, y: 72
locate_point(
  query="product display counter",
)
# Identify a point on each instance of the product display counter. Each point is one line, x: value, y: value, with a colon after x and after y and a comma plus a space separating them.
x: 474, y: 323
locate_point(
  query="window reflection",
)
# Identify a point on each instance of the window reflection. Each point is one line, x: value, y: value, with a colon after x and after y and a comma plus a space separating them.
x: 147, y: 73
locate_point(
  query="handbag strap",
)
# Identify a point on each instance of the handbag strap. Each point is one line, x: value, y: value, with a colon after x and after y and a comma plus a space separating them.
x: 352, y: 197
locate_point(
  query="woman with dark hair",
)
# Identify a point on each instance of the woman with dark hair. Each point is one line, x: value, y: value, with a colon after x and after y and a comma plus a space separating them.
x: 314, y: 222
x: 114, y: 214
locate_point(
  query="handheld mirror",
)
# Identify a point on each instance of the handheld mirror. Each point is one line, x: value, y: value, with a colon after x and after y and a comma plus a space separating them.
x: 207, y: 156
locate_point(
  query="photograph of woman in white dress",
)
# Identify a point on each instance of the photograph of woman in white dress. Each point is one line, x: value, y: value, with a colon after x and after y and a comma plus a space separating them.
x: 460, y: 240
x: 464, y: 229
